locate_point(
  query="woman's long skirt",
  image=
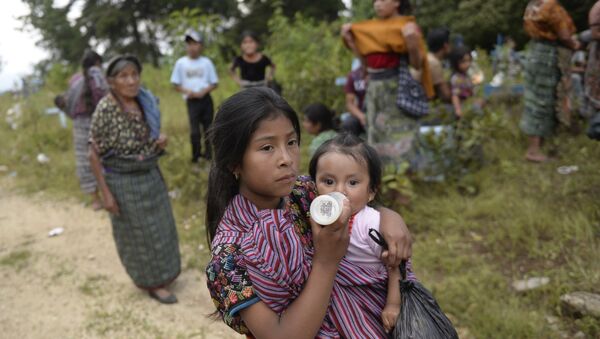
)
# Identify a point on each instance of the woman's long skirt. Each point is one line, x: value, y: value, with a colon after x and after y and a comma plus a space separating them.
x: 542, y: 76
x: 390, y: 131
x: 81, y: 137
x: 144, y: 231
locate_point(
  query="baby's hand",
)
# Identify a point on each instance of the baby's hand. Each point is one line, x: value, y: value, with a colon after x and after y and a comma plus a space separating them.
x: 389, y: 316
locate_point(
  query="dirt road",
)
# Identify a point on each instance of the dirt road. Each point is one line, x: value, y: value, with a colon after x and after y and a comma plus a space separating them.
x: 73, y: 285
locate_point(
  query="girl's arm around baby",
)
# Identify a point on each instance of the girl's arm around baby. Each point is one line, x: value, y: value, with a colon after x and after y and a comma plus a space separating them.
x: 394, y: 231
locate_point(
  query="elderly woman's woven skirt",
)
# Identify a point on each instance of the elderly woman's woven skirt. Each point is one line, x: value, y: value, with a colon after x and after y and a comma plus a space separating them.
x: 144, y: 232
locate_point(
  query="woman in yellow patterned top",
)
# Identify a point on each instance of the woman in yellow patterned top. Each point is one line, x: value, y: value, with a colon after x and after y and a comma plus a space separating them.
x: 551, y: 29
x: 384, y: 44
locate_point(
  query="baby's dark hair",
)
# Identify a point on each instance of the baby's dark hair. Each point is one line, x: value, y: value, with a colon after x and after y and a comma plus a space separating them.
x: 405, y: 7
x: 235, y: 122
x: 355, y: 147
x: 456, y: 56
x: 319, y: 113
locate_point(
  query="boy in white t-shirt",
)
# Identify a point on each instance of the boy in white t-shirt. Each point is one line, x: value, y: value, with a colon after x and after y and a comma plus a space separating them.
x: 195, y: 77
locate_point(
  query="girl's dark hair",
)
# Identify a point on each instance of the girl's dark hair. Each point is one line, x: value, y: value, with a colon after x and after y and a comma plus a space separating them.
x: 456, y: 55
x: 405, y: 8
x: 250, y: 34
x: 319, y: 113
x: 437, y: 38
x: 235, y: 122
x: 355, y: 147
x: 89, y: 59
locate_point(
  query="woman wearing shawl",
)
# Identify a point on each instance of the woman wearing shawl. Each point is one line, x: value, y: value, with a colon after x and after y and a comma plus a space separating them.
x: 551, y: 29
x: 85, y: 91
x: 125, y: 146
x: 390, y: 41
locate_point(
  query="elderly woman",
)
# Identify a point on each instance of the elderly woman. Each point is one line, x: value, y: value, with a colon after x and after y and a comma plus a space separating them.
x: 551, y: 29
x: 125, y: 146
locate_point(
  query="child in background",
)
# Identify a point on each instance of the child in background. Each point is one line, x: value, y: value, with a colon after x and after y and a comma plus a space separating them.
x: 319, y: 121
x: 460, y: 82
x: 256, y: 69
x: 346, y: 164
x: 195, y: 76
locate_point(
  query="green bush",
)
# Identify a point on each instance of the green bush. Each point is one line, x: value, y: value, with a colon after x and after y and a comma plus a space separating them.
x: 309, y: 56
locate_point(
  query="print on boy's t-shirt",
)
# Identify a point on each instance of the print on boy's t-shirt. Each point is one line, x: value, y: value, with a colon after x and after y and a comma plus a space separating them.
x: 194, y: 73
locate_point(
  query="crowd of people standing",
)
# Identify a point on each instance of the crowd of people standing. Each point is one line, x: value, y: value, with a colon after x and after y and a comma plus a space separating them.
x: 272, y: 269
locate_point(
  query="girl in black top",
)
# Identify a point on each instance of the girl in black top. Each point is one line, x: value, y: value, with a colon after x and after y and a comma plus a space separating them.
x: 256, y: 69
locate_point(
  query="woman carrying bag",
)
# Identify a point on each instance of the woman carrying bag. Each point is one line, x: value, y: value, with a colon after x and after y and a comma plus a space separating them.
x: 387, y: 46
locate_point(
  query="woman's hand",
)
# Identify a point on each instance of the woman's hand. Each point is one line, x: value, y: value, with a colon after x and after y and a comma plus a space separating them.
x: 109, y: 202
x: 331, y: 241
x: 162, y: 141
x: 346, y: 29
x: 394, y: 231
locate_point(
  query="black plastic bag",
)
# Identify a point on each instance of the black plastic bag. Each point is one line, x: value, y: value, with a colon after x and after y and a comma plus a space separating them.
x: 420, y: 315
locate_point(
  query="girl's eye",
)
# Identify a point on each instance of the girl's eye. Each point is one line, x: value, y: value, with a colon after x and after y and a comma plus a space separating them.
x: 353, y: 182
x: 328, y: 181
x: 293, y: 142
x: 267, y: 148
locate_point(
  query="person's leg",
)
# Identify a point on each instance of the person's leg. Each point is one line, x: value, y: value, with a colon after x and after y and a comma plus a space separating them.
x: 534, y: 150
x: 206, y: 120
x: 194, y: 114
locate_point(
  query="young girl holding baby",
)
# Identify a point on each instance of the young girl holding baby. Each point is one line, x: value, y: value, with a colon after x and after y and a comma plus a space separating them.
x: 272, y: 274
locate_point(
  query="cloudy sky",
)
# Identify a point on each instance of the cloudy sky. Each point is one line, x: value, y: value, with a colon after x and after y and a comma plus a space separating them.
x: 18, y: 52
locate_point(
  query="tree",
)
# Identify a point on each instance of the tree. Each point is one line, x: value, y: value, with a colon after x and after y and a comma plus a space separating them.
x: 61, y: 39
x: 480, y: 21
x: 259, y: 12
x: 362, y: 10
x: 116, y: 26
x: 137, y: 26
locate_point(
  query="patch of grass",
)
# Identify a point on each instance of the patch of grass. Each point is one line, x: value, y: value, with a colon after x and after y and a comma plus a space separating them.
x: 527, y: 221
x: 93, y: 285
x: 62, y: 270
x: 17, y: 259
x: 121, y: 323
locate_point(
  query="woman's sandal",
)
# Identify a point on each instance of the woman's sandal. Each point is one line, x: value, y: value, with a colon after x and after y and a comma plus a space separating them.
x: 170, y: 299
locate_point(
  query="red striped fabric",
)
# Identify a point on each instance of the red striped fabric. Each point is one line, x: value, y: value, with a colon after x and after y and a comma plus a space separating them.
x: 278, y: 266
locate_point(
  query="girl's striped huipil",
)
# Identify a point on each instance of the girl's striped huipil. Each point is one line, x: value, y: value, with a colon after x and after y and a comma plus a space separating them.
x: 265, y: 255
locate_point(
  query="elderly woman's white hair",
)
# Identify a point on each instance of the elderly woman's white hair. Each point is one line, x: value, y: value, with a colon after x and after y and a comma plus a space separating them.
x: 118, y: 63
